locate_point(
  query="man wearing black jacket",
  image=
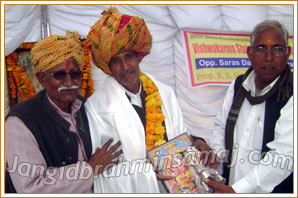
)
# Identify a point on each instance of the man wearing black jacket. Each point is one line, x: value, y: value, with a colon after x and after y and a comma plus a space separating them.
x: 47, y: 139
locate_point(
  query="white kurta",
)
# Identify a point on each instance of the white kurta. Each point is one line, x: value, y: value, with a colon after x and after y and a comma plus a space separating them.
x: 111, y: 115
x: 249, y: 173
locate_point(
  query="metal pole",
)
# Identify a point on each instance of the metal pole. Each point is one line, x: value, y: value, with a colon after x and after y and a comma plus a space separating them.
x: 45, y: 29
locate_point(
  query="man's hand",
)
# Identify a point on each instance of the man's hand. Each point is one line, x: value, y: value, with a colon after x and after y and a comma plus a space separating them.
x: 163, y: 178
x: 104, y: 156
x: 218, y: 187
x: 207, y: 155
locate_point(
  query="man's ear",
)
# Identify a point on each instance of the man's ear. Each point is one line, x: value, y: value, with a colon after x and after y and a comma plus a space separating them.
x: 248, y: 52
x: 41, y: 78
x: 288, y: 51
x: 140, y: 58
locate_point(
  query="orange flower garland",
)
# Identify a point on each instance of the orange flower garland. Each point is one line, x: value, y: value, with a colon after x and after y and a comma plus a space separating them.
x: 154, y: 117
x: 18, y: 79
x: 87, y: 82
x: 10, y: 62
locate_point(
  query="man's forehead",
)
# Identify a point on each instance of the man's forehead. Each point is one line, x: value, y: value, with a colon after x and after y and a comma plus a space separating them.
x: 270, y: 36
x: 124, y: 52
x: 65, y: 65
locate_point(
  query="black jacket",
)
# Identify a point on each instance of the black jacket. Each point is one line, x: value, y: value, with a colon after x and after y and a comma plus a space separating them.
x: 58, y: 145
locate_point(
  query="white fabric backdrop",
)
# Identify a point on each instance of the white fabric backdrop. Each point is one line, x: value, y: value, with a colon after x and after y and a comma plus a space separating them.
x: 166, y: 61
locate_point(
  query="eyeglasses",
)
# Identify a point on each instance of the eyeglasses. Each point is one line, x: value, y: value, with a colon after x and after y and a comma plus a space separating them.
x: 60, y: 75
x: 276, y: 50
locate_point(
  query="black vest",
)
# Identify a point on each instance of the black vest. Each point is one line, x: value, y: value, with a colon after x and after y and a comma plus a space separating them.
x: 272, y: 114
x: 58, y: 145
x: 142, y: 111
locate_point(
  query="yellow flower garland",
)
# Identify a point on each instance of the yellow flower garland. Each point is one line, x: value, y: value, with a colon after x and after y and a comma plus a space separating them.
x: 154, y: 117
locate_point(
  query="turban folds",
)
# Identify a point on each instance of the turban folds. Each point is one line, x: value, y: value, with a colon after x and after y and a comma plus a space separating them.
x: 115, y: 32
x: 55, y: 49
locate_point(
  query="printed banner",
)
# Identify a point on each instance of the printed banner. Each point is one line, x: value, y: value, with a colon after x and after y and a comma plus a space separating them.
x: 217, y: 58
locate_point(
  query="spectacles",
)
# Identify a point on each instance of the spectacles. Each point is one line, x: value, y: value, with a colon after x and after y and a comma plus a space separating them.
x: 60, y: 75
x: 276, y: 50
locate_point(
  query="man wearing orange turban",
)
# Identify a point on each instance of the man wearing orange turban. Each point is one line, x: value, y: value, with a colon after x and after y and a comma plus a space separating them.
x: 47, y: 138
x: 115, y: 32
x: 132, y: 106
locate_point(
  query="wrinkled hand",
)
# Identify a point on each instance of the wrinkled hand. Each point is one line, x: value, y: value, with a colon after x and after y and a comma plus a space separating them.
x: 207, y: 155
x: 218, y: 187
x: 163, y: 177
x: 104, y: 157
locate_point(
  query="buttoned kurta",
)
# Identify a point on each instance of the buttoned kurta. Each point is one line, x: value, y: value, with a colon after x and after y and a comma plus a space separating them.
x: 24, y: 159
x: 111, y: 115
x: 249, y: 172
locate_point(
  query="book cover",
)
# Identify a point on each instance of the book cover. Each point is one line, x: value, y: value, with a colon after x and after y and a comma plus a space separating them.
x: 169, y: 159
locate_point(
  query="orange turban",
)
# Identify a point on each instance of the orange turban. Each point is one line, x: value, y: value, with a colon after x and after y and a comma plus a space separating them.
x: 115, y: 32
x: 55, y: 49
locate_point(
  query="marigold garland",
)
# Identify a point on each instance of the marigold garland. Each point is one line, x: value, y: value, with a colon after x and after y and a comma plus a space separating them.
x: 10, y: 62
x: 154, y: 117
x: 18, y: 79
x: 20, y: 83
x: 87, y: 81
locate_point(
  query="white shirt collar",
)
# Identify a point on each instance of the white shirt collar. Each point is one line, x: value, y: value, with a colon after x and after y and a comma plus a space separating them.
x: 249, y: 84
x: 75, y: 106
x: 135, y: 98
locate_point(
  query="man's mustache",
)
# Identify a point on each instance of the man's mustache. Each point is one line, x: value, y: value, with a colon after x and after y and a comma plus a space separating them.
x: 126, y: 72
x: 65, y: 88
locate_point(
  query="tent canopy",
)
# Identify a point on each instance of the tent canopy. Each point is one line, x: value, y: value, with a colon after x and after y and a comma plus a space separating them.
x: 166, y: 61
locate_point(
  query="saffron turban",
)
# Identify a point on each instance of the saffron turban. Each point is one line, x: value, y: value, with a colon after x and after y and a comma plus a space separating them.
x: 115, y: 32
x: 55, y: 49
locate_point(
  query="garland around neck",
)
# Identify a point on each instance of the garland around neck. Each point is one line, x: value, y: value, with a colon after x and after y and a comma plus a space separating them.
x: 154, y: 117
